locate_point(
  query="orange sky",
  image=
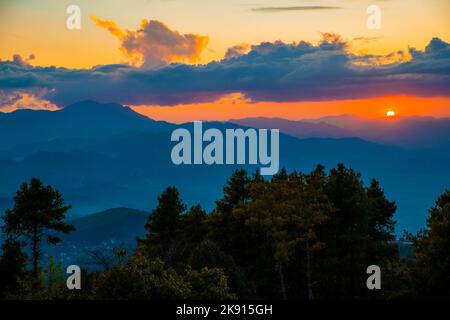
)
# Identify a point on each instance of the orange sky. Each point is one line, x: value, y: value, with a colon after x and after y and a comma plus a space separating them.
x: 38, y: 27
x: 235, y: 106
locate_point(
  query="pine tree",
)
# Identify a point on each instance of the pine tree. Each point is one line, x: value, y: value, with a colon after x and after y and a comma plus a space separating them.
x: 193, y: 227
x: 39, y: 213
x: 432, y: 252
x: 287, y: 211
x: 381, y: 226
x: 381, y: 210
x: 314, y: 209
x: 163, y: 226
x: 235, y: 192
x: 228, y: 230
x: 345, y: 234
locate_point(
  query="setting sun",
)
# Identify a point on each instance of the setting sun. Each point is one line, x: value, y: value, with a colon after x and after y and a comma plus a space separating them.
x: 390, y: 113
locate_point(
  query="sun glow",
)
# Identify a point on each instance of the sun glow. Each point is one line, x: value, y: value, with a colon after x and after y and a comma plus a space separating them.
x: 390, y: 114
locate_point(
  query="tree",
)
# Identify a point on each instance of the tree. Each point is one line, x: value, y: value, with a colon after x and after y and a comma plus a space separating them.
x: 432, y: 252
x: 287, y: 210
x: 358, y: 233
x: 106, y: 258
x: 381, y: 225
x: 228, y: 230
x: 193, y: 226
x: 39, y: 212
x: 381, y: 222
x: 142, y: 279
x: 313, y: 209
x: 193, y: 229
x: 345, y: 234
x: 163, y: 226
x: 12, y: 267
x: 236, y: 191
x: 208, y: 254
x: 208, y: 284
x: 53, y: 277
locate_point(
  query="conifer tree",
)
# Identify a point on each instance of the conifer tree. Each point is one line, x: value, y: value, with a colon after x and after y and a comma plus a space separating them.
x: 38, y: 214
x: 163, y: 226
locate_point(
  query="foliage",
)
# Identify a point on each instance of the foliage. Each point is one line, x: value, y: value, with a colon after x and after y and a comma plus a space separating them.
x: 163, y: 227
x: 143, y: 278
x: 12, y: 267
x: 39, y: 211
x: 432, y: 252
x: 295, y: 236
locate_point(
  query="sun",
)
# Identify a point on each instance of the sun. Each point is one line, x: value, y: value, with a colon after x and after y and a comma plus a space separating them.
x: 390, y: 113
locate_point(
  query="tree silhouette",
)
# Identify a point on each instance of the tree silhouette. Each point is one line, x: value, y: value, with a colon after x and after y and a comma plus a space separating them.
x: 163, y: 226
x: 12, y: 267
x: 227, y: 229
x: 288, y: 210
x: 38, y: 213
x: 432, y: 252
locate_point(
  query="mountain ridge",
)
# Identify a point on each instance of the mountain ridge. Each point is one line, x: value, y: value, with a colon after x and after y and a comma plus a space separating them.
x: 410, y: 132
x: 85, y: 119
x: 130, y: 168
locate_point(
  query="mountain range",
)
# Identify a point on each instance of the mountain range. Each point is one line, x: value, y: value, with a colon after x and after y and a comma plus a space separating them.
x: 121, y: 225
x: 407, y: 132
x: 103, y: 156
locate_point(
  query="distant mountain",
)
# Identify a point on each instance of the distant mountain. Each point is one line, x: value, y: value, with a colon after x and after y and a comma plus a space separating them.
x: 411, y: 132
x: 86, y: 119
x: 121, y: 225
x: 300, y: 129
x: 99, y: 234
x: 110, y: 166
x: 401, y: 131
x: 132, y: 170
x: 348, y: 121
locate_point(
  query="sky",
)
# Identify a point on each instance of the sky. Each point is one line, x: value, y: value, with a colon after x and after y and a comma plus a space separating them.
x: 183, y: 60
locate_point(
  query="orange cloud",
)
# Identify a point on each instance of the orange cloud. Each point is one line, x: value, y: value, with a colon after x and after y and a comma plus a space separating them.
x: 109, y: 25
x: 155, y: 45
x: 12, y: 101
x: 332, y: 39
x: 237, y: 50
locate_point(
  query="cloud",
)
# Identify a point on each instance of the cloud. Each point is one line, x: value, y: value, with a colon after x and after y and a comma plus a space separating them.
x: 19, y: 99
x: 296, y: 8
x: 109, y: 25
x: 237, y: 50
x: 270, y: 71
x: 19, y: 61
x: 154, y: 45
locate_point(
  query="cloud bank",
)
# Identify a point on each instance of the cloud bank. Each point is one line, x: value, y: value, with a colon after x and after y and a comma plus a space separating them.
x: 277, y: 72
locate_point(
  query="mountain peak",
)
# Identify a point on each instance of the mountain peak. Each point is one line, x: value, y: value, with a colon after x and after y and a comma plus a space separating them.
x: 86, y: 119
x: 92, y: 105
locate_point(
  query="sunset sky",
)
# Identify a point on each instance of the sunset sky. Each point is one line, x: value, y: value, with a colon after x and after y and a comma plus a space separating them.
x: 292, y: 59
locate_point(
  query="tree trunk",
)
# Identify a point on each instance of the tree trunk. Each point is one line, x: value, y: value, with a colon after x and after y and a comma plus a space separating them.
x: 308, y: 270
x: 283, y: 287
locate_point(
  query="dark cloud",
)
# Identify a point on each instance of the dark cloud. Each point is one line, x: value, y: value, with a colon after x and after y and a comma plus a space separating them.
x: 268, y: 72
